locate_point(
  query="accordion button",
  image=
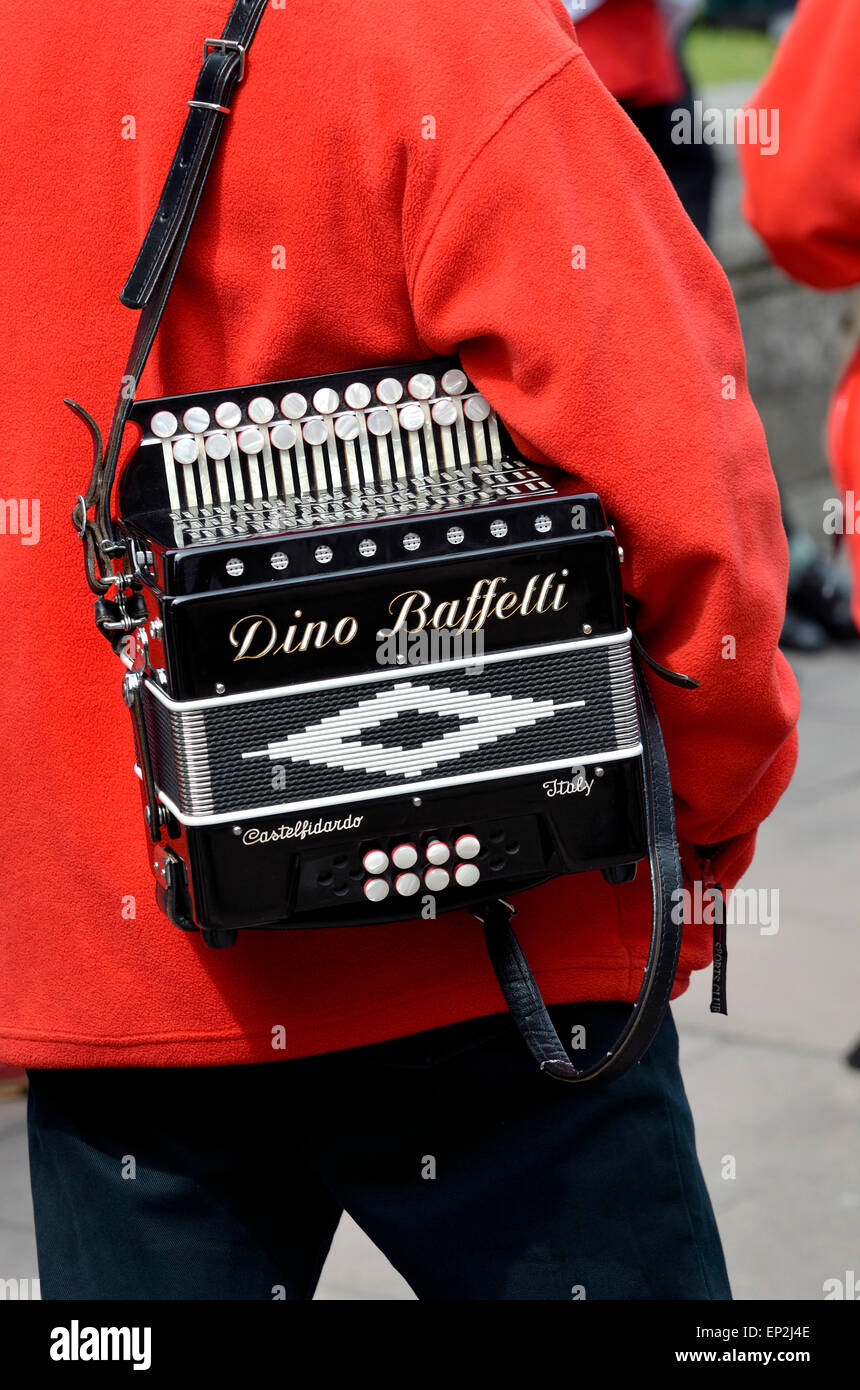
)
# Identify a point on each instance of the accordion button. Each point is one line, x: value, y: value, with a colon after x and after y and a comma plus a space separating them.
x: 375, y: 889
x: 228, y: 415
x: 389, y: 390
x: 476, y: 408
x: 466, y: 846
x: 163, y: 424
x: 346, y: 427
x: 283, y: 436
x: 467, y: 875
x: 421, y: 386
x: 379, y: 422
x: 407, y: 885
x: 217, y: 446
x: 412, y: 417
x: 404, y: 856
x: 437, y: 879
x: 357, y: 395
x: 315, y: 432
x: 438, y: 852
x: 455, y: 382
x: 260, y: 410
x: 196, y: 419
x: 375, y: 861
x: 444, y: 412
x: 293, y: 405
x: 185, y: 450
x: 326, y: 401
x: 250, y: 441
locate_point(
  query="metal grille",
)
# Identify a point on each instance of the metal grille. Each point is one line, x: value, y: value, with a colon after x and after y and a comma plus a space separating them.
x: 271, y: 516
x: 427, y: 727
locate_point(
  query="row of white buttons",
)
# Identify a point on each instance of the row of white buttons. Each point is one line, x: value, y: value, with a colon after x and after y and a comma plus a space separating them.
x: 294, y: 405
x: 408, y: 884
x: 405, y: 856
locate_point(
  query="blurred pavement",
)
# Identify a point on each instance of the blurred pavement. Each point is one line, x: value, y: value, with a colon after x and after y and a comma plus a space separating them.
x: 768, y: 1084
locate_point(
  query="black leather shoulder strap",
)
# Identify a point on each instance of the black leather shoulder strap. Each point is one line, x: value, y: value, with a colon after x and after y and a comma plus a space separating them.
x: 517, y: 982
x: 154, y: 270
x: 223, y: 66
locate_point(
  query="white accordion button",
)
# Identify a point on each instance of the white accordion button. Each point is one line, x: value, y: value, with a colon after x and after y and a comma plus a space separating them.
x: 404, y: 856
x: 466, y: 846
x: 250, y: 441
x: 323, y: 554
x: 315, y: 432
x: 379, y: 422
x: 412, y: 417
x: 293, y: 405
x: 367, y: 547
x: 375, y: 861
x: 185, y: 450
x: 389, y: 390
x: 476, y: 407
x: 346, y: 427
x: 163, y: 424
x: 467, y: 875
x: 498, y: 528
x: 407, y: 885
x: 543, y: 523
x: 421, y: 386
x: 357, y: 395
x: 217, y: 446
x: 279, y: 561
x: 283, y: 436
x: 196, y: 419
x: 376, y: 890
x: 444, y: 412
x: 326, y: 401
x: 455, y: 382
x: 437, y: 879
x: 228, y: 415
x: 438, y: 852
x: 456, y: 535
x: 260, y: 410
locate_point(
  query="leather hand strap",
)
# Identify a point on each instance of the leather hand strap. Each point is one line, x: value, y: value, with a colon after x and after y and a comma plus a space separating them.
x: 512, y: 969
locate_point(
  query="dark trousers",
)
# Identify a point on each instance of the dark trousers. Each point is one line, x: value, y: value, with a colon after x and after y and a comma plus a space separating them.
x: 476, y: 1175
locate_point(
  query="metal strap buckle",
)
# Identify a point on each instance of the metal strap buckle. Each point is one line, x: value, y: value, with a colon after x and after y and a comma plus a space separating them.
x: 226, y: 43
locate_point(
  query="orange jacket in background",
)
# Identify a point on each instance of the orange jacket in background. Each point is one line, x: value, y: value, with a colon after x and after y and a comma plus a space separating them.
x: 804, y: 200
x: 384, y: 191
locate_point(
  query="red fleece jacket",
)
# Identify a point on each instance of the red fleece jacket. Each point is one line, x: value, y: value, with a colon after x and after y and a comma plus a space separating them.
x: 384, y: 191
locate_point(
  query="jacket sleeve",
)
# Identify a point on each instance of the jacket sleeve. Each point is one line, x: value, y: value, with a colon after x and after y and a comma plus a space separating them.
x: 804, y: 200
x: 594, y: 318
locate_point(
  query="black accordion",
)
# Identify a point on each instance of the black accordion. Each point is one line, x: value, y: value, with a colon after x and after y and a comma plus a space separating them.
x: 385, y: 669
x: 379, y: 666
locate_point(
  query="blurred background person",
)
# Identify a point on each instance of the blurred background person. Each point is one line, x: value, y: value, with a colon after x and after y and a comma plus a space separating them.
x: 804, y: 202
x: 633, y: 46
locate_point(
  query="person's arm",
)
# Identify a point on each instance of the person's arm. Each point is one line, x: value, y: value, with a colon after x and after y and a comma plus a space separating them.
x: 804, y: 200
x: 597, y: 322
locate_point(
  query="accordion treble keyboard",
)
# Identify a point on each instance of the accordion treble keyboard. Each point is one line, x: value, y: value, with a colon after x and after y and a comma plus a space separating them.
x: 322, y: 452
